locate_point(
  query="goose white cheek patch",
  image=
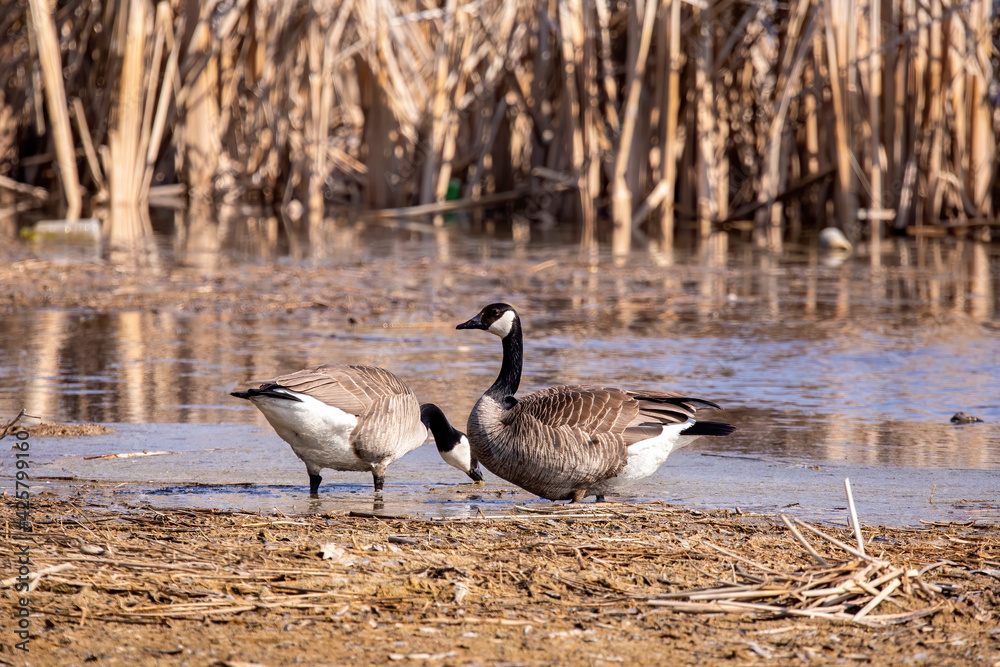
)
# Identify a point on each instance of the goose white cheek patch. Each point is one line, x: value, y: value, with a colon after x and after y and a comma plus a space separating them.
x: 502, y: 326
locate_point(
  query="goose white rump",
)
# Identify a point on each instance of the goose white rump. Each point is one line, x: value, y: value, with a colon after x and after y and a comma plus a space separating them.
x: 318, y: 433
x: 645, y: 458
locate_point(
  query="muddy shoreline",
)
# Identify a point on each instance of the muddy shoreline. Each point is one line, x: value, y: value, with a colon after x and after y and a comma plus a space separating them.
x: 609, y: 584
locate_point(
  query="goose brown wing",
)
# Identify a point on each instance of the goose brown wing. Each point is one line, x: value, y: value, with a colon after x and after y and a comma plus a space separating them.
x: 591, y: 409
x: 668, y: 407
x: 390, y: 421
x: 353, y: 389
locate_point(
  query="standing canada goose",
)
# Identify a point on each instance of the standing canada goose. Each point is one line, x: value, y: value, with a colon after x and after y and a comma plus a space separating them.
x: 564, y: 443
x: 452, y: 444
x: 344, y: 418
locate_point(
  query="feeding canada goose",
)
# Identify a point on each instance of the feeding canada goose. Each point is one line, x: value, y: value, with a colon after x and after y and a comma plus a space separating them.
x: 564, y: 443
x: 452, y: 444
x: 344, y: 418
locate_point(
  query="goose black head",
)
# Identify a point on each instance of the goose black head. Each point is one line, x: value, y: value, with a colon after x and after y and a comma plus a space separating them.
x: 451, y: 443
x: 497, y: 318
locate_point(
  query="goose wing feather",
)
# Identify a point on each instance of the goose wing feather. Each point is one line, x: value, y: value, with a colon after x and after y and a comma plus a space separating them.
x: 389, y: 421
x: 633, y: 415
x: 669, y: 407
x: 659, y: 408
x: 588, y: 408
x: 353, y: 389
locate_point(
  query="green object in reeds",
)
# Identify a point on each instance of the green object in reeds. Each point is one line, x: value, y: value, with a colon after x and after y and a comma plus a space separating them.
x: 454, y: 190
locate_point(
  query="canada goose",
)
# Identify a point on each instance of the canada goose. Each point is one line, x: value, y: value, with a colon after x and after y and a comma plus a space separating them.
x: 344, y: 418
x: 572, y: 441
x: 452, y: 444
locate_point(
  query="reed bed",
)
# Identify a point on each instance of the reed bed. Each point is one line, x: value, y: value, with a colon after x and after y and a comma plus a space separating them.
x: 630, y: 120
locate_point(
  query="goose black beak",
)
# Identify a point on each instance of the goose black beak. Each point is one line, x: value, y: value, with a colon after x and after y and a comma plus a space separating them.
x: 475, y: 475
x: 475, y: 323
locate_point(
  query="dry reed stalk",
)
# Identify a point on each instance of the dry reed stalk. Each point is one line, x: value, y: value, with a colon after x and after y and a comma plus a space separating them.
x: 855, y: 524
x: 607, y: 67
x: 160, y: 25
x: 50, y: 59
x: 707, y: 204
x: 893, y: 84
x: 570, y: 35
x: 955, y: 76
x: 798, y: 536
x: 80, y: 116
x: 7, y: 183
x: 452, y: 127
x: 34, y: 576
x: 669, y: 143
x: 198, y: 100
x: 13, y: 422
x: 124, y: 137
x: 982, y: 165
x: 621, y: 195
x: 798, y: 43
x: 876, y: 150
x: 316, y: 124
x: 590, y: 179
x: 835, y: 29
x: 443, y: 59
x: 164, y: 22
x: 933, y: 138
x: 833, y: 541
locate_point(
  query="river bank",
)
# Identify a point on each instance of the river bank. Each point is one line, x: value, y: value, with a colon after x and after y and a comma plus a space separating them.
x: 601, y: 584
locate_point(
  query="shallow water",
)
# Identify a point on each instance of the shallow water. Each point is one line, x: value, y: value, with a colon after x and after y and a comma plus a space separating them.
x: 239, y: 467
x: 827, y: 371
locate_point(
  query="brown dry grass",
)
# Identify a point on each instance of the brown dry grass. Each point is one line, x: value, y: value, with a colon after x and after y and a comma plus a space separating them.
x: 51, y: 430
x: 563, y: 585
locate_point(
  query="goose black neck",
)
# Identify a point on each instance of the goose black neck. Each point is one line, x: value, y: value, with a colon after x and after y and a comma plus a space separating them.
x: 509, y: 379
x: 445, y: 435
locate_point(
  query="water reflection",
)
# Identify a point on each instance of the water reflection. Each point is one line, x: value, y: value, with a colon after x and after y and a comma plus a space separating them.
x: 818, y: 361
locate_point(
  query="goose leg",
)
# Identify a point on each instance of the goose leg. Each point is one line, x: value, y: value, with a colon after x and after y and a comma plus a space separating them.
x: 599, y: 498
x: 578, y: 495
x: 378, y: 474
x: 314, y: 481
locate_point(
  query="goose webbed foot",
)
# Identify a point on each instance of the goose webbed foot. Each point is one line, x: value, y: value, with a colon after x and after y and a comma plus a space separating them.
x: 314, y: 482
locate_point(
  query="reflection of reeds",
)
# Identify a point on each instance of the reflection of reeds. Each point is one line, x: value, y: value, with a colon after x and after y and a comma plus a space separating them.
x: 743, y: 115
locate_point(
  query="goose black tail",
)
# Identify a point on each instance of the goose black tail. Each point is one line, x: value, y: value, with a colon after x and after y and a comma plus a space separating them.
x: 709, y: 428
